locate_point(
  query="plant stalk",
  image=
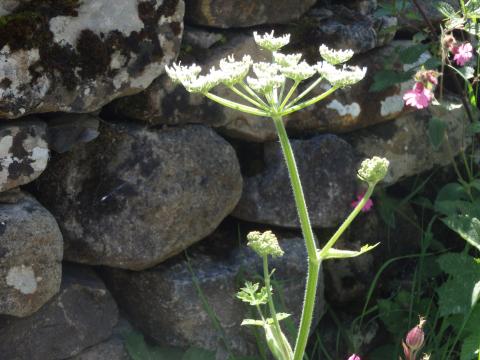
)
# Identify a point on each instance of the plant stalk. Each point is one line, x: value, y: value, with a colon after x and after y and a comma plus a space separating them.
x: 313, y: 261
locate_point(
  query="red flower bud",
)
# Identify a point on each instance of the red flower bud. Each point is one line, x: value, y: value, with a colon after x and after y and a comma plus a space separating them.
x: 416, y: 336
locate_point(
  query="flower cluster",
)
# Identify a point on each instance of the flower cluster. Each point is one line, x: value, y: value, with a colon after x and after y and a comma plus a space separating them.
x: 335, y: 57
x: 270, y: 42
x: 264, y: 244
x: 373, y: 170
x: 341, y: 77
x: 422, y: 93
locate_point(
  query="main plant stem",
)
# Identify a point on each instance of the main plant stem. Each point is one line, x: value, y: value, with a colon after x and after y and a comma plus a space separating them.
x: 313, y: 260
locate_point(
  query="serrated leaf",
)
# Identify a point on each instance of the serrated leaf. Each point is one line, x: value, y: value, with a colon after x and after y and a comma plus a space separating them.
x: 198, y: 354
x: 449, y: 198
x: 383, y: 79
x: 333, y: 253
x: 466, y: 226
x: 411, y: 54
x: 436, y: 132
x: 446, y: 9
x: 455, y: 294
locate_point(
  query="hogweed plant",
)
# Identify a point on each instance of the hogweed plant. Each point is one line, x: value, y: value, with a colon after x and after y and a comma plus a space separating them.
x: 270, y: 94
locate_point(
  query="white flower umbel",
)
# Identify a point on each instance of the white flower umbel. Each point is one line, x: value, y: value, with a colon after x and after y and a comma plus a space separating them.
x: 180, y: 74
x: 269, y: 42
x: 235, y: 71
x: 204, y: 83
x: 335, y: 57
x: 298, y: 72
x: 286, y: 60
x: 341, y: 77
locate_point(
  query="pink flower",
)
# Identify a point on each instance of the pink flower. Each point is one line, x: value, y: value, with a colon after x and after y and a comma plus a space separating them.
x: 462, y: 53
x: 367, y: 207
x: 418, y: 97
x: 354, y: 357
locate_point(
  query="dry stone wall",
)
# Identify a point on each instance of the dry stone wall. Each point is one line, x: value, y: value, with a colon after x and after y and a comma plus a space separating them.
x: 109, y: 171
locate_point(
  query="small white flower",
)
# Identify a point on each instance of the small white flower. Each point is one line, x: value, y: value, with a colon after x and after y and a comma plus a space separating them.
x: 179, y: 73
x: 264, y: 85
x: 265, y: 69
x: 269, y: 42
x: 204, y: 83
x: 286, y: 60
x: 235, y: 71
x: 346, y: 76
x: 335, y: 57
x: 298, y: 72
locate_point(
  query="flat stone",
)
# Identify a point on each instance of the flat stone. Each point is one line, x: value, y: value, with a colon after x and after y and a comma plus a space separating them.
x: 80, y: 55
x: 67, y: 130
x: 164, y: 303
x: 31, y: 250
x: 112, y: 349
x: 405, y: 141
x: 134, y: 197
x: 81, y: 315
x: 327, y: 170
x: 237, y: 13
x: 23, y: 152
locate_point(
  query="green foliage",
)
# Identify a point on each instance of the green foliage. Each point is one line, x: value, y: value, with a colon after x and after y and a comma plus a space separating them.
x: 454, y: 296
x: 436, y: 132
x: 252, y: 295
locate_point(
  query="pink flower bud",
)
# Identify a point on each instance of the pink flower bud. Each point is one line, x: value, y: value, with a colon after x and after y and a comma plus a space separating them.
x: 354, y: 357
x: 416, y: 336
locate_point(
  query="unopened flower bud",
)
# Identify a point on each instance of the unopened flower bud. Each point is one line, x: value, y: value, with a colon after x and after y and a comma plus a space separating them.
x: 354, y: 357
x: 264, y: 243
x: 416, y: 336
x: 449, y: 41
x: 373, y: 170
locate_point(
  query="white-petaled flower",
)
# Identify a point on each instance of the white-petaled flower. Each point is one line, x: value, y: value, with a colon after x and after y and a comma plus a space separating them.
x: 269, y: 42
x: 179, y: 73
x: 235, y: 71
x: 298, y: 72
x: 335, y: 57
x: 346, y: 76
x: 286, y: 60
x: 373, y: 170
x: 204, y: 83
x: 264, y: 85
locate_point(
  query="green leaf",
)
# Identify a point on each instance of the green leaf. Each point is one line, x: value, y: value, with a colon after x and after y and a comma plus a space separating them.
x: 250, y: 294
x: 138, y: 349
x: 476, y: 294
x: 432, y: 63
x: 198, y: 354
x: 436, y: 132
x: 385, y: 78
x: 252, y: 322
x: 470, y: 347
x: 473, y: 128
x: 456, y: 293
x: 467, y: 72
x: 449, y: 199
x: 446, y: 9
x: 466, y: 226
x: 411, y: 54
x: 333, y: 253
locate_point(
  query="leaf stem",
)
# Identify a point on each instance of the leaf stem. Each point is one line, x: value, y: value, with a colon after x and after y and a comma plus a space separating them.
x: 236, y: 106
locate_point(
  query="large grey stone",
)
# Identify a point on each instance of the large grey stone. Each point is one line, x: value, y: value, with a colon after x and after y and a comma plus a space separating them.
x: 327, y: 170
x: 133, y: 197
x: 81, y: 315
x: 405, y: 141
x: 165, y: 304
x: 23, y: 153
x: 112, y: 349
x: 345, y: 110
x: 238, y: 13
x: 31, y: 250
x: 76, y: 56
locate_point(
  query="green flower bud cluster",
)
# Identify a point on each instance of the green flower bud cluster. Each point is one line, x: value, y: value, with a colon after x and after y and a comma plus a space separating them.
x: 264, y: 244
x: 373, y: 170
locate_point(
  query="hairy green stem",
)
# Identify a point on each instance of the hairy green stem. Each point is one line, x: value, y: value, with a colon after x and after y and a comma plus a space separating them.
x: 249, y: 90
x: 234, y: 105
x: 289, y: 94
x: 271, y: 307
x: 347, y: 221
x: 309, y: 102
x: 248, y: 98
x: 313, y: 262
x: 305, y: 93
